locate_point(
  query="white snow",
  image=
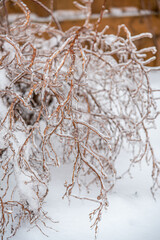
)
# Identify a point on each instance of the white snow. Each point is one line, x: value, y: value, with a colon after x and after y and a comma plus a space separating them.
x: 4, y: 82
x: 25, y: 186
x: 132, y: 212
x: 71, y: 15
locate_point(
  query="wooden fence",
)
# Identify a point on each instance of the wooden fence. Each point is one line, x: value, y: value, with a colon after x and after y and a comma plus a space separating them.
x: 138, y: 15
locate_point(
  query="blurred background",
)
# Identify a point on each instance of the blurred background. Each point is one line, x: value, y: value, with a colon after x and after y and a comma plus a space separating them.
x: 138, y: 15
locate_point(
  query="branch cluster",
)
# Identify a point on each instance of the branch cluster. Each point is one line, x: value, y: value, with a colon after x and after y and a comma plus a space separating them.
x: 78, y: 96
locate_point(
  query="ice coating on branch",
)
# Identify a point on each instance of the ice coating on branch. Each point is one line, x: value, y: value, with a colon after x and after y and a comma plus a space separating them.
x: 79, y: 97
x: 26, y: 188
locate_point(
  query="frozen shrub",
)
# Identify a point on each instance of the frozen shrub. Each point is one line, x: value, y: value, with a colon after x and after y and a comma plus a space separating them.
x: 77, y: 96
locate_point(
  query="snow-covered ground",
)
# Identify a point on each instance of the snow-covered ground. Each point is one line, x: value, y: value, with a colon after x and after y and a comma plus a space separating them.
x: 132, y: 212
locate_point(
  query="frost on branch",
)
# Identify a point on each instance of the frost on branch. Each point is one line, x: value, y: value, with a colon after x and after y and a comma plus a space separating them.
x: 80, y: 96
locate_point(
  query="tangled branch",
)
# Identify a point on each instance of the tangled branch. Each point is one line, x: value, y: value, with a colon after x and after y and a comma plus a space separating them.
x: 80, y: 96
